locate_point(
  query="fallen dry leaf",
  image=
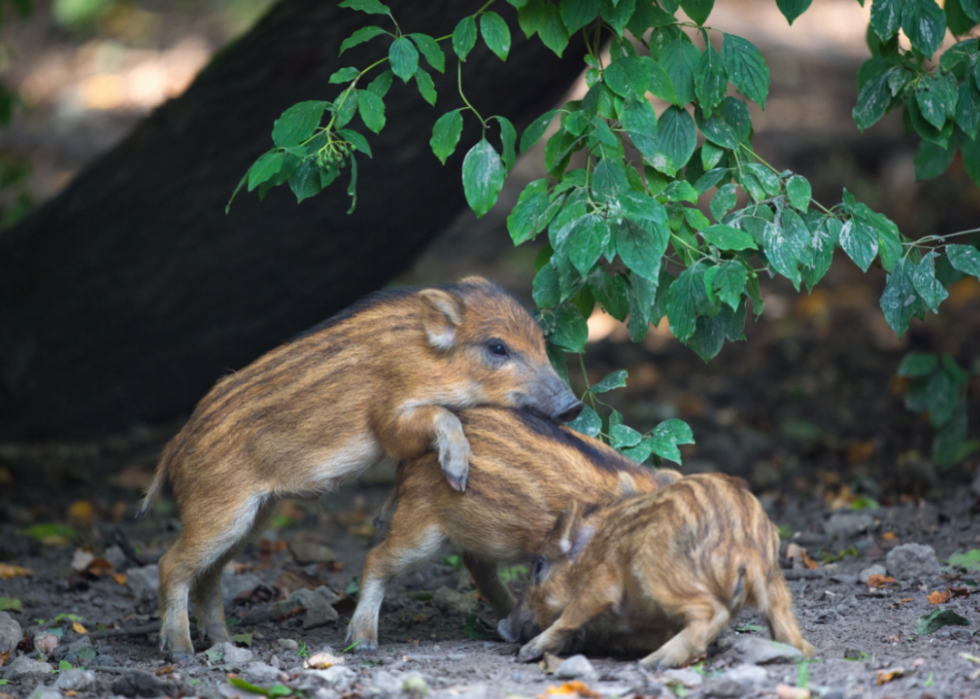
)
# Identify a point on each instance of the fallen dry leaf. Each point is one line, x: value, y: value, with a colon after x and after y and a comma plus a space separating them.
x: 120, y: 578
x: 3, y: 657
x: 119, y: 511
x: 165, y: 670
x: 784, y: 691
x: 78, y: 627
x: 809, y: 563
x: 841, y: 500
x: 960, y: 591
x: 321, y: 661
x: 890, y: 536
x: 860, y: 452
x: 132, y: 478
x: 11, y: 571
x: 798, y: 555
x: 939, y: 596
x: 879, y: 581
x: 81, y: 513
x: 575, y: 687
x: 885, y: 676
x: 81, y: 559
x: 549, y: 664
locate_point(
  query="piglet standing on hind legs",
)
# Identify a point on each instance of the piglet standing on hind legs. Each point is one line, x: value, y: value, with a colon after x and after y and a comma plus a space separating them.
x: 661, y: 574
x: 379, y: 380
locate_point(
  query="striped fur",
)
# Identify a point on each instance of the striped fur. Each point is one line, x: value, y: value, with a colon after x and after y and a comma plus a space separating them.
x: 523, y: 471
x: 377, y: 381
x: 660, y: 574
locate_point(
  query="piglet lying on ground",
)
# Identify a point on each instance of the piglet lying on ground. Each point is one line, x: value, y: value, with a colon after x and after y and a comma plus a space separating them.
x: 659, y: 574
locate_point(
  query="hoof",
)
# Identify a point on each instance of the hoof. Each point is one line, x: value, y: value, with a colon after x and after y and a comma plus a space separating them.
x: 180, y: 657
x: 366, y: 647
x: 529, y: 653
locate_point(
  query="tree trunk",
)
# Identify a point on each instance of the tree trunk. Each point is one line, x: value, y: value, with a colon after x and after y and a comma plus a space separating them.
x: 124, y: 298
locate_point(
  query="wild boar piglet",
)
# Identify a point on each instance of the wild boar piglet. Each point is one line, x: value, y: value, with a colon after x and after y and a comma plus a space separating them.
x: 380, y: 380
x: 523, y: 470
x: 659, y: 574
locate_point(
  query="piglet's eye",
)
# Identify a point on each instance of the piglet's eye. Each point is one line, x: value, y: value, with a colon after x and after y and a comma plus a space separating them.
x: 497, y: 348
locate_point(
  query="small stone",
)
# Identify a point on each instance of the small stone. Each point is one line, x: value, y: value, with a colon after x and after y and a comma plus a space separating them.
x: 574, y: 667
x: 42, y: 692
x: 649, y: 688
x: 452, y: 602
x: 337, y: 677
x: 234, y: 585
x: 318, y: 604
x: 456, y: 656
x: 138, y: 684
x: 257, y: 614
x: 876, y: 569
x: 760, y: 651
x: 385, y: 685
x: 10, y: 633
x: 23, y: 667
x: 46, y: 643
x: 846, y: 525
x: 258, y: 672
x: 688, y: 678
x: 75, y: 680
x: 287, y: 644
x: 737, y: 682
x: 116, y: 557
x: 311, y: 552
x: 912, y: 562
x: 144, y: 582
x: 415, y: 686
x: 231, y: 655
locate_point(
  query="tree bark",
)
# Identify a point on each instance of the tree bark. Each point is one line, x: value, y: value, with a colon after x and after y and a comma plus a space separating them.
x: 124, y: 298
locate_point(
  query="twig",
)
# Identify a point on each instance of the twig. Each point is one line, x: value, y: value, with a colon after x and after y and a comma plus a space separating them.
x: 132, y: 631
x: 111, y: 668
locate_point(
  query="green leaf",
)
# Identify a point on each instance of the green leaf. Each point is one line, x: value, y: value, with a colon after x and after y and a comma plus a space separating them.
x: 588, y: 422
x: 785, y: 243
x: 617, y: 379
x: 552, y: 32
x: 10, y: 604
x: 972, y: 9
x: 545, y: 288
x: 617, y: 13
x: 924, y: 24
x: 710, y: 156
x: 886, y: 17
x: 628, y: 78
x: 585, y: 241
x: 942, y: 397
x: 344, y: 75
x: 531, y: 15
x: 676, y: 139
x: 681, y: 306
x: 611, y: 292
x: 244, y: 639
x: 660, y: 83
x: 297, y: 123
x: 711, y: 179
x: 642, y: 294
x: 464, y: 37
x: 931, y: 104
x: 667, y: 435
x: 483, y: 177
x: 372, y: 110
x: 934, y: 621
x: 381, y: 84
x: 746, y: 69
x: 968, y: 107
x: 798, y: 190
x: 352, y: 187
x: 357, y: 140
x: 495, y: 33
x: 726, y: 237
x: 859, y: 242
x: 623, y: 436
x: 578, y: 13
x: 445, y: 134
x: 765, y: 178
x: 872, y: 101
x: 925, y: 282
x: 964, y: 258
x: 532, y: 213
x: 931, y: 161
x: 900, y: 301
x: 698, y: 10
x: 431, y: 50
x: 708, y: 337
x: 305, y: 181
x: 535, y: 130
x: 508, y: 138
x: 971, y: 159
x: 710, y: 80
x: 371, y: 7
x: 264, y: 169
x: 641, y: 247
x: 969, y: 561
x: 723, y: 201
x: 404, y: 58
x: 792, y: 9
x: 359, y: 37
x: 640, y: 122
x: 916, y: 364
x: 729, y: 282
x: 679, y: 60
x: 950, y: 444
x: 426, y: 87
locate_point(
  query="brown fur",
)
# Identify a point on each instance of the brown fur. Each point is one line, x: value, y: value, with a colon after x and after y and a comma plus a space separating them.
x: 660, y: 574
x: 523, y: 470
x: 379, y: 380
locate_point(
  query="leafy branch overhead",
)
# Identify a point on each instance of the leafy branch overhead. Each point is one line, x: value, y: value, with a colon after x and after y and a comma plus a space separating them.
x: 638, y: 216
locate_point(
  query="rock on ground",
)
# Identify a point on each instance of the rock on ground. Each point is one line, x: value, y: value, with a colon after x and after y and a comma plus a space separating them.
x: 452, y: 602
x: 574, y: 667
x: 234, y: 585
x: 75, y: 680
x: 144, y: 582
x: 845, y: 525
x: 876, y: 569
x: 231, y: 655
x: 760, y: 651
x: 10, y: 633
x: 258, y: 672
x: 43, y: 692
x: 912, y: 562
x: 337, y: 677
x: 737, y: 682
x: 138, y: 684
x: 318, y: 604
x: 23, y: 667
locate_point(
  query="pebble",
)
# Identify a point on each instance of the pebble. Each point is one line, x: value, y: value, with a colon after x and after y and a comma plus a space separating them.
x: 144, y: 582
x: 311, y: 552
x: 456, y: 656
x: 287, y: 644
x: 912, y: 562
x: 231, y: 655
x: 234, y: 585
x: 43, y: 692
x: 846, y: 525
x: 116, y: 558
x: 23, y: 667
x: 452, y: 602
x: 385, y: 684
x: 138, y: 684
x: 75, y: 680
x: 737, y: 682
x: 575, y: 667
x: 415, y: 686
x: 10, y: 633
x: 318, y: 604
x: 338, y: 677
x: 258, y: 672
x: 761, y: 651
x: 876, y: 569
x: 688, y: 678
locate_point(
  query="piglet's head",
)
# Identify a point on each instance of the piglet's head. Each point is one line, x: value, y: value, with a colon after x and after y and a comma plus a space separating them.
x: 495, y: 350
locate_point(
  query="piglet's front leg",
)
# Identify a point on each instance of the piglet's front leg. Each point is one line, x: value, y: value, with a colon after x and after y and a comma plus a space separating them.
x: 576, y: 615
x: 416, y: 429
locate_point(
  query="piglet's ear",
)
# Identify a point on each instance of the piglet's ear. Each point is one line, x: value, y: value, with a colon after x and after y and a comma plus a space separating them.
x: 565, y: 527
x: 627, y: 486
x: 442, y: 314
